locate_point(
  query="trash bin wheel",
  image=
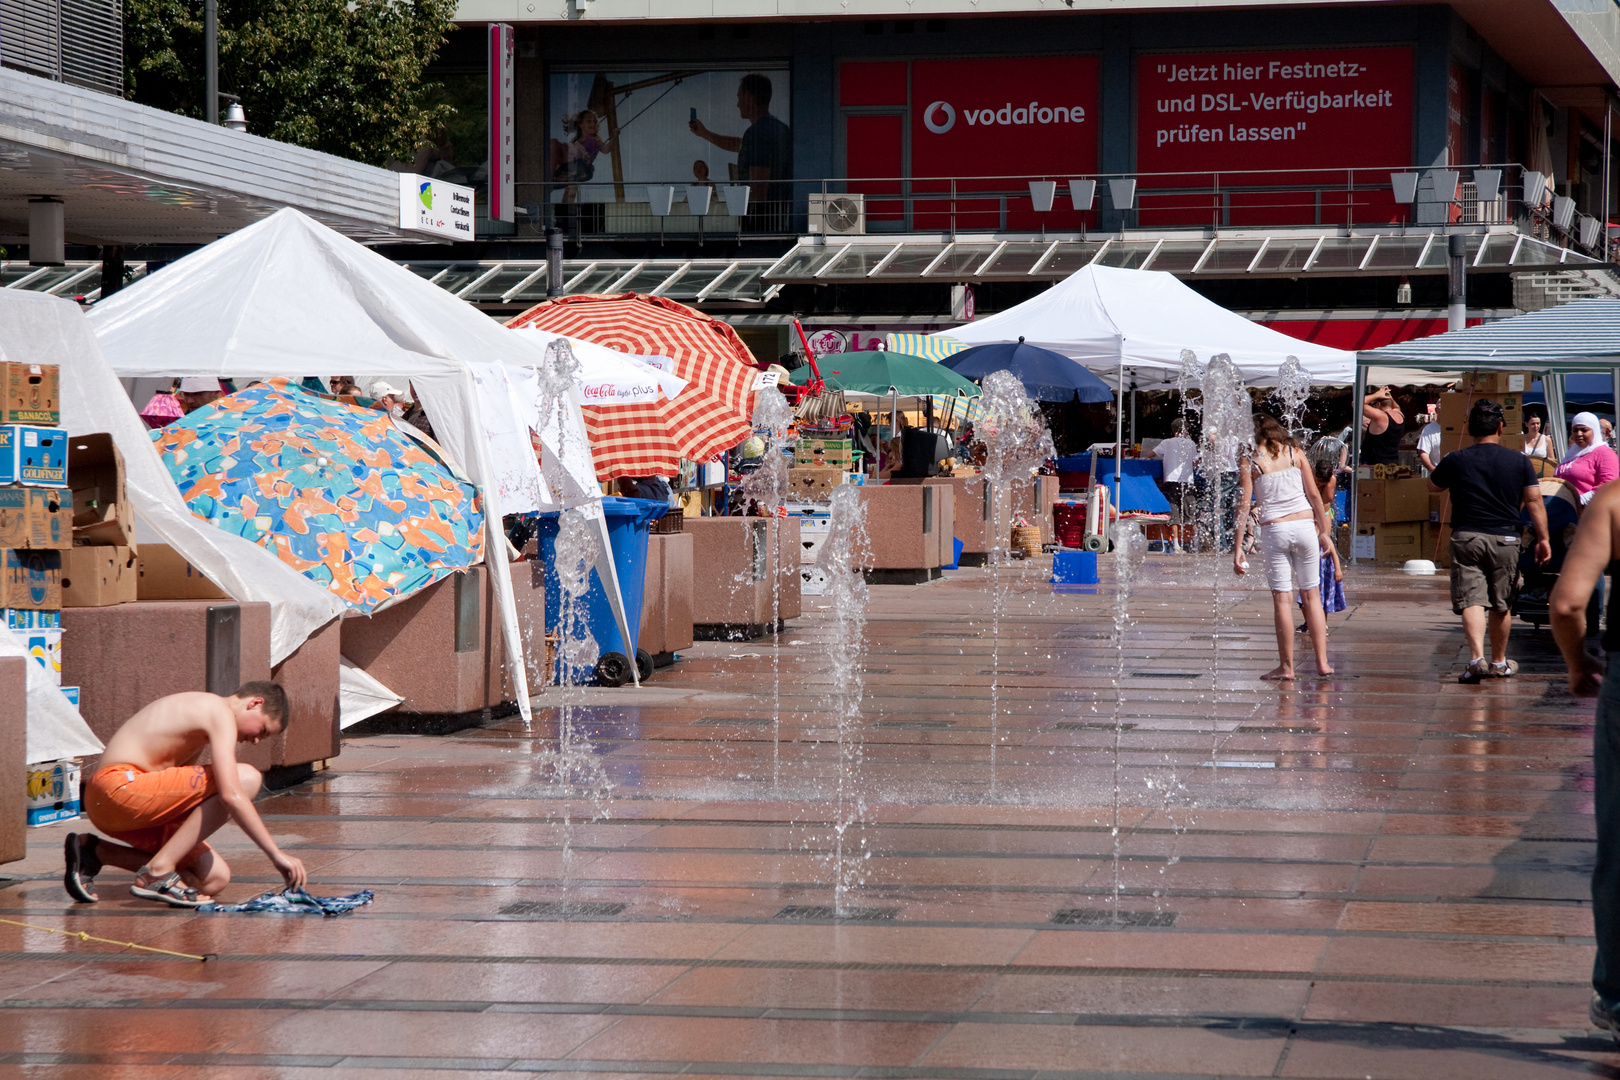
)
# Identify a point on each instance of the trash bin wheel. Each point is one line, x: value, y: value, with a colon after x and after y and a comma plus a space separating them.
x: 613, y: 669
x: 1096, y: 542
x: 644, y: 664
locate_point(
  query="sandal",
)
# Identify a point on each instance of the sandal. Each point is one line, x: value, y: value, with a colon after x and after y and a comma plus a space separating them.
x: 170, y: 890
x: 83, y: 864
x: 1505, y: 670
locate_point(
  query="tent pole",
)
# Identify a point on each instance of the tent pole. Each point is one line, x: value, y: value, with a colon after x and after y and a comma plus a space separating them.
x: 1614, y: 387
x: 1356, y: 395
x: 1133, y: 412
x: 1119, y: 424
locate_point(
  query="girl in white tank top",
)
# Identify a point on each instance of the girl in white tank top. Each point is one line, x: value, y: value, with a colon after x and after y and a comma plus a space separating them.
x: 1293, y: 536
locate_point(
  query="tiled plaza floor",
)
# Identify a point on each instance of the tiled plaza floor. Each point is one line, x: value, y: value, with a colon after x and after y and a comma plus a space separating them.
x: 1382, y: 874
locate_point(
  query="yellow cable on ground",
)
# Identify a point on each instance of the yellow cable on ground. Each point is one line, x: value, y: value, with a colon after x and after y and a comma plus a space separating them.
x: 82, y: 936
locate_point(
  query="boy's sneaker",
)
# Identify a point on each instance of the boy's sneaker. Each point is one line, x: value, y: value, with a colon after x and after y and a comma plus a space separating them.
x: 1602, y: 1014
x: 1505, y: 670
x: 1475, y: 671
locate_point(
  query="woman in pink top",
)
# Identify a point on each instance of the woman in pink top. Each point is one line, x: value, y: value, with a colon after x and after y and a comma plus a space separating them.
x: 1588, y: 463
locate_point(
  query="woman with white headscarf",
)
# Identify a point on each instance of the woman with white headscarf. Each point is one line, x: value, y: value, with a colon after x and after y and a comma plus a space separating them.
x: 1588, y: 463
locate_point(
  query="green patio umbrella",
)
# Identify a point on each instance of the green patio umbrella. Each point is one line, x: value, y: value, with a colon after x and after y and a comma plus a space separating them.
x: 885, y: 373
x: 888, y: 374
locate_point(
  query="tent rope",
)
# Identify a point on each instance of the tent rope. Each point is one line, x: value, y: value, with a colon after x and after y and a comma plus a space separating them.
x: 82, y: 936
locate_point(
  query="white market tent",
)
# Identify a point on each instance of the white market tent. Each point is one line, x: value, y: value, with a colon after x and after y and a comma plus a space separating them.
x: 289, y: 297
x: 40, y: 329
x: 1133, y: 324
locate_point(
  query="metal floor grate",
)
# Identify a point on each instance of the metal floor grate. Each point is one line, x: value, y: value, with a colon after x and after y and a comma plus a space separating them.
x: 913, y: 725
x: 808, y: 912
x: 744, y: 721
x: 1096, y: 725
x: 1104, y: 917
x: 564, y: 909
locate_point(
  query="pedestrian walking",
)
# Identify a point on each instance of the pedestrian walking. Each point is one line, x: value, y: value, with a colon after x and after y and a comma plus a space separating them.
x: 1490, y: 485
x: 1180, y: 457
x: 1596, y: 548
x: 1293, y: 537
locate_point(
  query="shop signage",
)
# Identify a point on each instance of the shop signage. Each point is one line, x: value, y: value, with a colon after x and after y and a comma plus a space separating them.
x: 435, y: 207
x: 1011, y: 116
x: 827, y: 342
x: 502, y: 160
x: 1271, y: 110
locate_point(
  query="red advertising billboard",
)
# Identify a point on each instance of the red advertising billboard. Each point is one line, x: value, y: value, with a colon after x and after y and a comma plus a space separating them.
x: 1260, y: 119
x: 1014, y: 116
x: 1004, y: 120
x: 1294, y: 109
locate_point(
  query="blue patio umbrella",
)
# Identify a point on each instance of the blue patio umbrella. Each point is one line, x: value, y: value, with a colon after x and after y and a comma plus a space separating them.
x: 1046, y: 375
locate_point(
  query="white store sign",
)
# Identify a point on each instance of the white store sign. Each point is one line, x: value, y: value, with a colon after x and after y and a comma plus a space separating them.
x: 435, y: 207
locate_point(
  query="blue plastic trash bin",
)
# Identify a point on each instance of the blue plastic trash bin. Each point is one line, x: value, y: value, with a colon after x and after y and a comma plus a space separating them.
x: 1074, y: 568
x: 627, y: 521
x: 956, y: 554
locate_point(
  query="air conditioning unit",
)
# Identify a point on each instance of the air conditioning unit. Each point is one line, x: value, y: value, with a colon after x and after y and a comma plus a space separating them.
x: 837, y: 215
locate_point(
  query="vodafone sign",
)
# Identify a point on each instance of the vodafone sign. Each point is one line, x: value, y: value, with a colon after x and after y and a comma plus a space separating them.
x: 1004, y: 117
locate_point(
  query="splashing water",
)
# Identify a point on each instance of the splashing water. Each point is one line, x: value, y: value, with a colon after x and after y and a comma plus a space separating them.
x: 1016, y: 443
x: 1228, y: 435
x: 841, y: 558
x: 572, y: 767
x: 1130, y: 546
x: 1293, y: 389
x: 769, y: 485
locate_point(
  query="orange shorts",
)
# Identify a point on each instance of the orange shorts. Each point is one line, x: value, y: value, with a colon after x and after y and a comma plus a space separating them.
x: 144, y: 809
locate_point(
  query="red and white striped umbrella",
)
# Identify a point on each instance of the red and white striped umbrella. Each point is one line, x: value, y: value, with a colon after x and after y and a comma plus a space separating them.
x: 709, y: 416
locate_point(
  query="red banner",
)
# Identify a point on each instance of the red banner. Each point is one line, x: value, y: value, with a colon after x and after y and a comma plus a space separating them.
x: 1282, y: 110
x: 1017, y: 116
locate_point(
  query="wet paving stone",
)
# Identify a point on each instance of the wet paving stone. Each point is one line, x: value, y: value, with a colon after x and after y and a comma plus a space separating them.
x: 1066, y: 855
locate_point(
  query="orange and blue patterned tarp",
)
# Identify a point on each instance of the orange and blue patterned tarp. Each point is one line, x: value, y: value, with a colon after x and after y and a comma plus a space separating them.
x: 337, y: 492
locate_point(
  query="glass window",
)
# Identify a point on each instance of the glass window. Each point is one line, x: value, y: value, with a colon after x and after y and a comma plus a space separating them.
x: 1179, y: 256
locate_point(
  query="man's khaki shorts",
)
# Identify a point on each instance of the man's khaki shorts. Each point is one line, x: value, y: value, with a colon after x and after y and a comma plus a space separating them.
x: 1484, y: 571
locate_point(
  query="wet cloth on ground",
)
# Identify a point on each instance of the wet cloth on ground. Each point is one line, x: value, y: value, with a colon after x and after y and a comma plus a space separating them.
x: 293, y: 902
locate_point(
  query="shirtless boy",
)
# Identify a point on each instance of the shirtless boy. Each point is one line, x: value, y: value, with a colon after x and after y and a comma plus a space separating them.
x: 149, y: 792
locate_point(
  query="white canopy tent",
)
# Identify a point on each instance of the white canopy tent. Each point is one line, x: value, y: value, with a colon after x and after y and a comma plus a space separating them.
x: 289, y: 297
x: 40, y: 329
x: 1133, y: 324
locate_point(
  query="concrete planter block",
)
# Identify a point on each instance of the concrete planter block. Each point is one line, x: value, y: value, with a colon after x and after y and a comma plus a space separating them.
x: 666, y: 604
x: 310, y: 677
x: 13, y: 769
x: 125, y: 657
x: 733, y: 561
x: 442, y: 650
x: 908, y: 530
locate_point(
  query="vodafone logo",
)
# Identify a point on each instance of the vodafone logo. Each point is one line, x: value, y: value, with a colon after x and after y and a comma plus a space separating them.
x: 939, y: 127
x: 940, y: 117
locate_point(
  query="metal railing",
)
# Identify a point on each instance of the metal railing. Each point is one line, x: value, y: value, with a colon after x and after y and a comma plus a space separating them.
x: 1208, y: 200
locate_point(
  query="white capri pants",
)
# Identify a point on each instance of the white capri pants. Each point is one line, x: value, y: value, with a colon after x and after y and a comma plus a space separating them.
x: 1293, y: 556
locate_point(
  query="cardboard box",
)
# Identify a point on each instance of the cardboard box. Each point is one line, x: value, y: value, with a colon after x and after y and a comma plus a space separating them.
x: 1439, y: 505
x: 1486, y: 383
x: 72, y: 694
x: 1392, y: 543
x: 163, y: 574
x: 1379, y: 501
x: 101, y: 510
x: 31, y: 579
x: 98, y: 577
x: 53, y: 792
x: 45, y: 647
x: 36, y: 518
x: 24, y: 619
x: 32, y: 394
x: 1437, y: 543
x: 34, y: 456
x: 813, y: 483
x: 824, y: 451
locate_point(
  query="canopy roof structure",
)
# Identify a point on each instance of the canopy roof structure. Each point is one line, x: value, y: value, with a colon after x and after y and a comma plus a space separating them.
x: 289, y: 297
x: 1134, y: 325
x: 1582, y: 336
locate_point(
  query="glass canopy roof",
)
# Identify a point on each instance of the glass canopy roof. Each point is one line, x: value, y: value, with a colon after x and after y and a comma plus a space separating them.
x: 888, y: 259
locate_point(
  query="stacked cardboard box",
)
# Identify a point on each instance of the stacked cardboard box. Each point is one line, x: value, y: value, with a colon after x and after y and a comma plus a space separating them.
x: 1507, y: 389
x: 36, y: 509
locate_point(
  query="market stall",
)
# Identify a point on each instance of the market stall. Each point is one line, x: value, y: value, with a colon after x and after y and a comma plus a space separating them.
x: 289, y: 297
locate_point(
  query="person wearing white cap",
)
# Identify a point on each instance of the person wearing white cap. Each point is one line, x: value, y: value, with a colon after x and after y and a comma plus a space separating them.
x: 196, y: 391
x: 387, y: 397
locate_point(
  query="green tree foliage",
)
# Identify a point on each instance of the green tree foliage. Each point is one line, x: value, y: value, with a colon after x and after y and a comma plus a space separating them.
x: 341, y: 76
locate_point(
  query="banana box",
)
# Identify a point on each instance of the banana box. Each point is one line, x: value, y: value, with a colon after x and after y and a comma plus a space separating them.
x: 53, y: 792
x: 45, y: 646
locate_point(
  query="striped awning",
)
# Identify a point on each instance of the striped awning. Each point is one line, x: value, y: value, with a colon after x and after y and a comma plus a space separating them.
x: 1582, y: 336
x: 710, y: 416
x: 927, y: 346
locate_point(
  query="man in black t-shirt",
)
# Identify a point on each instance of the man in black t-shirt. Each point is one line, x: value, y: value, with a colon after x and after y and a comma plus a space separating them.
x: 1489, y: 485
x: 764, y: 153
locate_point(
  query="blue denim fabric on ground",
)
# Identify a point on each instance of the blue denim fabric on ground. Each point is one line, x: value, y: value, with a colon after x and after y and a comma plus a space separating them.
x: 1606, y: 807
x: 293, y: 902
